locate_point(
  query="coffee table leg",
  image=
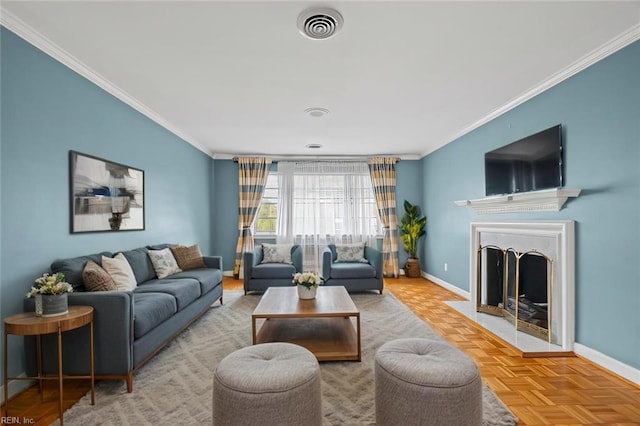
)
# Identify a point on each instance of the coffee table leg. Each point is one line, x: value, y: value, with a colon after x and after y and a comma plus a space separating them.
x: 253, y: 329
x: 358, y: 333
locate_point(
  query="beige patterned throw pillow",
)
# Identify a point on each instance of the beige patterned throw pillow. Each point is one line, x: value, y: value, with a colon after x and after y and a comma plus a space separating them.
x: 120, y: 270
x: 350, y: 253
x: 188, y: 257
x: 97, y: 279
x: 276, y: 253
x: 164, y: 263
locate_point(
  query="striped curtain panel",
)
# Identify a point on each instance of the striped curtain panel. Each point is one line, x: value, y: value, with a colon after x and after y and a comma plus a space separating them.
x: 383, y: 179
x: 252, y: 177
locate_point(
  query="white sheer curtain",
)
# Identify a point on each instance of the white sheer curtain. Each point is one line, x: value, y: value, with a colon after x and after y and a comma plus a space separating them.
x: 325, y: 202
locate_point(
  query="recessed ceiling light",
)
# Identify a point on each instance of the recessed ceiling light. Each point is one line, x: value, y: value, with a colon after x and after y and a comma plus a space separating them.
x: 313, y: 146
x: 319, y: 23
x: 317, y: 112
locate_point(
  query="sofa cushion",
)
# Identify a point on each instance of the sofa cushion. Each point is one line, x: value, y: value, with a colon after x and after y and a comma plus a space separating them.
x: 120, y: 270
x: 164, y: 263
x: 352, y: 270
x: 188, y: 257
x: 185, y: 290
x: 141, y: 264
x: 350, y: 253
x: 207, y: 277
x: 72, y: 268
x: 96, y: 278
x: 276, y: 253
x: 160, y: 246
x: 150, y: 310
x: 273, y: 270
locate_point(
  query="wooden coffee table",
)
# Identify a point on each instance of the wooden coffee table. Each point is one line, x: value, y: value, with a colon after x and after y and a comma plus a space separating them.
x: 323, y: 325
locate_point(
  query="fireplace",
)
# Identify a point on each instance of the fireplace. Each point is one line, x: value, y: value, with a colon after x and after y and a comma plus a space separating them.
x: 524, y: 272
x: 517, y: 286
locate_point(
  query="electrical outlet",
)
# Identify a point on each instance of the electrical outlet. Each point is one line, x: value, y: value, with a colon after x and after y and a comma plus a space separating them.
x: 446, y: 267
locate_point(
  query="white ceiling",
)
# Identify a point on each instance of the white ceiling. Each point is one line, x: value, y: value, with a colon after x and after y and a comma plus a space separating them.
x: 401, y: 78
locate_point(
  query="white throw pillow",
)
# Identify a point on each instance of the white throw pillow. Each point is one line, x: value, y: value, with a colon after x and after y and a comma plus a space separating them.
x: 350, y: 253
x: 120, y: 270
x: 276, y: 253
x: 164, y: 263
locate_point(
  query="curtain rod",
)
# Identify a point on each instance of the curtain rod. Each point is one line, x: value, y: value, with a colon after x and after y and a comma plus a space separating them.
x: 322, y: 158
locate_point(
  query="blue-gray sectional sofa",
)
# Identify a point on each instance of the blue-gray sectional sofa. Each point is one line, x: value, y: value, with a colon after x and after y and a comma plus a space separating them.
x: 131, y: 326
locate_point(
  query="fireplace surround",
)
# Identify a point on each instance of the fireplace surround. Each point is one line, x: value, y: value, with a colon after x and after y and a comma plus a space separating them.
x: 554, y: 239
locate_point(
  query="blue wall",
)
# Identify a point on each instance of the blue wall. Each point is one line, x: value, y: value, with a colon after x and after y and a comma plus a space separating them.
x: 48, y: 110
x: 599, y: 109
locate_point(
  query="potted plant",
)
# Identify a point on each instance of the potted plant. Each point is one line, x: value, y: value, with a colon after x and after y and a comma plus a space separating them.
x: 307, y: 283
x: 412, y: 229
x: 50, y: 292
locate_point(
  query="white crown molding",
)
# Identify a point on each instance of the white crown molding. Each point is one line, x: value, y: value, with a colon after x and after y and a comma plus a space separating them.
x: 620, y: 41
x: 15, y: 24
x: 225, y: 156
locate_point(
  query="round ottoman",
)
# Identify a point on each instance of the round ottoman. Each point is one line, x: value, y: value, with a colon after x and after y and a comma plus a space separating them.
x: 426, y: 382
x: 267, y: 384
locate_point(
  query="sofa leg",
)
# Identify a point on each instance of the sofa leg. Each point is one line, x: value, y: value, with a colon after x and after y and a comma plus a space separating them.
x: 380, y: 291
x: 221, y: 302
x: 129, y: 382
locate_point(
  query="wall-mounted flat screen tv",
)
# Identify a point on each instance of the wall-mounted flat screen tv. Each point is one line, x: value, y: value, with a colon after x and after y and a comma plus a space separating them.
x: 530, y: 164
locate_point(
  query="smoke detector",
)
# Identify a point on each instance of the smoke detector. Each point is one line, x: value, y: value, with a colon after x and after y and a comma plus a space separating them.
x: 316, y: 111
x: 319, y: 23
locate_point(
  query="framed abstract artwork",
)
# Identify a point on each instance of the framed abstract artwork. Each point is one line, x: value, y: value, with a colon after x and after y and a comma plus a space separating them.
x: 105, y: 196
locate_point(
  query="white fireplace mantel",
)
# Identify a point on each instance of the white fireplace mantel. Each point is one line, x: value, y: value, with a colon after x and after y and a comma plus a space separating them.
x: 545, y: 200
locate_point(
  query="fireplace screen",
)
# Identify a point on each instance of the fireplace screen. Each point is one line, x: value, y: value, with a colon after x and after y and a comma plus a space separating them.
x: 517, y: 286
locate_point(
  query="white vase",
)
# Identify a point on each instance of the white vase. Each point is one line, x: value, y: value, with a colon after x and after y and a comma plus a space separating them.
x: 307, y: 293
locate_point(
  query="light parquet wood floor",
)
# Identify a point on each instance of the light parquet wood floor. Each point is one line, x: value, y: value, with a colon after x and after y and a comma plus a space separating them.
x: 539, y: 391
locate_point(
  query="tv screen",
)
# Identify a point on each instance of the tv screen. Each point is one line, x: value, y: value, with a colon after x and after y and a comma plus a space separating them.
x: 530, y: 164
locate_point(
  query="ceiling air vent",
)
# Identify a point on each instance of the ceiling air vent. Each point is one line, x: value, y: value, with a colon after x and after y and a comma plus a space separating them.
x: 319, y: 24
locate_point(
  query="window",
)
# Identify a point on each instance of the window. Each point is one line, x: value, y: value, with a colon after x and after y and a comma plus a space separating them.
x: 267, y: 218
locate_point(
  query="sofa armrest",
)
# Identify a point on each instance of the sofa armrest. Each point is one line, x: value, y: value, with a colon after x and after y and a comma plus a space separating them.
x: 374, y: 256
x: 113, y: 335
x: 214, y: 262
x: 296, y: 257
x: 326, y: 263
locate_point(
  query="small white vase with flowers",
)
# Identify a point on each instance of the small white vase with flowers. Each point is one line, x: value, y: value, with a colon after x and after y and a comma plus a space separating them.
x: 307, y: 283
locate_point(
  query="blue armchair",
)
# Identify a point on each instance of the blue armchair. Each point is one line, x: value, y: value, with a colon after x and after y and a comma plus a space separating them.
x: 354, y: 276
x: 259, y: 276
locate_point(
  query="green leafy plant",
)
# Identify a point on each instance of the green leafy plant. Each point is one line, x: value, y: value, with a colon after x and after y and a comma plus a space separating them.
x: 412, y: 228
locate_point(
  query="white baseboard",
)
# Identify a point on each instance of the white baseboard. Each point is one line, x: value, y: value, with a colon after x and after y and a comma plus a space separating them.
x: 447, y: 285
x: 15, y: 387
x: 621, y: 369
x: 227, y: 273
x: 605, y: 361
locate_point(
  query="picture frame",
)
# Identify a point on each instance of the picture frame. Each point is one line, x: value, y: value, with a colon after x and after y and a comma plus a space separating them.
x: 105, y: 196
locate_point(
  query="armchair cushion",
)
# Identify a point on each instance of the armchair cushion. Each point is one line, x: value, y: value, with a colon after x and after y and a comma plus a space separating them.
x: 350, y: 253
x: 352, y: 270
x: 273, y: 270
x: 276, y: 253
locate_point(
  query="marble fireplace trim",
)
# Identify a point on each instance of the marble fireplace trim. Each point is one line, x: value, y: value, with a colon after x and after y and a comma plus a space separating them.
x: 553, y: 238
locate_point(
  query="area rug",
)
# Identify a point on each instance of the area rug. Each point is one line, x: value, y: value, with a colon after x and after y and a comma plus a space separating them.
x: 176, y: 386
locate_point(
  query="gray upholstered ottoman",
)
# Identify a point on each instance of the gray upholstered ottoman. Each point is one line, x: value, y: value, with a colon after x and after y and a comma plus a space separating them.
x: 426, y: 382
x: 268, y: 384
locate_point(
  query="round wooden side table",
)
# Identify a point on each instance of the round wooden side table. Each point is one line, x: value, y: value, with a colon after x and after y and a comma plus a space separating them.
x: 28, y: 324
